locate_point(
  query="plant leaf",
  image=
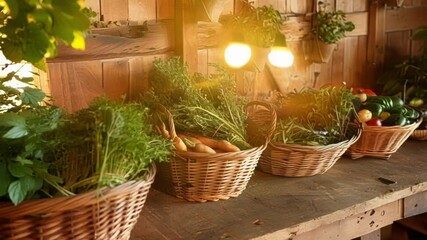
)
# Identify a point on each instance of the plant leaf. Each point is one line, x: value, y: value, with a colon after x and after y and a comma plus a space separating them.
x: 19, y: 170
x: 5, y: 178
x: 17, y: 192
x: 32, y: 96
x: 16, y: 132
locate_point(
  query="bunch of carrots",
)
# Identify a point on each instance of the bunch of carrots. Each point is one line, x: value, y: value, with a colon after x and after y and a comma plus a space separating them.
x: 197, y: 143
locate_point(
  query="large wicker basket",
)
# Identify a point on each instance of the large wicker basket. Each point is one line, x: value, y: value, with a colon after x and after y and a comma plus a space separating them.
x: 295, y: 160
x: 381, y: 142
x: 203, y: 177
x: 109, y: 214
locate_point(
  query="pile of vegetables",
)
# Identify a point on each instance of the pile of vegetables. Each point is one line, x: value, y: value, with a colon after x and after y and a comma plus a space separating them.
x: 315, y: 117
x: 199, y: 105
x: 107, y: 144
x: 385, y: 111
x: 46, y: 153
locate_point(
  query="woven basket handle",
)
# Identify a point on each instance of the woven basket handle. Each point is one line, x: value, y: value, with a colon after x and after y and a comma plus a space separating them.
x: 262, y: 117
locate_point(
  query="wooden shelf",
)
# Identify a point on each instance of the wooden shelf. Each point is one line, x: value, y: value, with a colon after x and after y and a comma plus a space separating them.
x: 346, y: 202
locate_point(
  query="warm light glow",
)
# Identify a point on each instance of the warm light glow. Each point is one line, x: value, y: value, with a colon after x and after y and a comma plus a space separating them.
x: 281, y: 57
x: 237, y: 54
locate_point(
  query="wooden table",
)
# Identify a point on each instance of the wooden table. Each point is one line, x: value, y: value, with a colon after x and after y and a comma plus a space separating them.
x: 346, y: 202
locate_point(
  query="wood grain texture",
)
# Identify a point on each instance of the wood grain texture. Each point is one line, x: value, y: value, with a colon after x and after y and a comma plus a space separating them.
x: 282, y: 208
x: 115, y: 79
x: 74, y: 85
x: 114, y: 10
x: 158, y: 39
x: 142, y: 10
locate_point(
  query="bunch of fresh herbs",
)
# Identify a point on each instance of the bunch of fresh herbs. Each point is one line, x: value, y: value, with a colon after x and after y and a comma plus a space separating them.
x: 26, y: 152
x: 107, y: 144
x: 315, y: 117
x: 198, y: 104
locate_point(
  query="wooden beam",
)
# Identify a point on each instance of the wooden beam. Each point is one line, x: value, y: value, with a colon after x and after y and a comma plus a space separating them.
x: 376, y: 43
x: 186, y: 33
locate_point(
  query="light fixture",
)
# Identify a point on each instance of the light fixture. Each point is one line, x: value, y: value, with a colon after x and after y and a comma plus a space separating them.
x: 280, y: 55
x: 237, y: 53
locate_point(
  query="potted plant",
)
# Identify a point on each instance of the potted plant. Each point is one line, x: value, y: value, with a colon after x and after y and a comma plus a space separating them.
x: 46, y: 175
x: 256, y: 26
x: 329, y: 27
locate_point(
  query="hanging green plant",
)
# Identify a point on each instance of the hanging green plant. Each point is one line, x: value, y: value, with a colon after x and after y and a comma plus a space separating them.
x: 330, y: 26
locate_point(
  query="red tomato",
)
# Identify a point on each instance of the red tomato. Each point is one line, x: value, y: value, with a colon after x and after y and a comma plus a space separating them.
x: 369, y: 92
x: 374, y: 122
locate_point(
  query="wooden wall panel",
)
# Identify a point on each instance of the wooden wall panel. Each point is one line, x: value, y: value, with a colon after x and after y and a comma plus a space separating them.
x: 74, y: 85
x: 165, y: 9
x: 115, y: 76
x: 114, y: 10
x: 142, y: 10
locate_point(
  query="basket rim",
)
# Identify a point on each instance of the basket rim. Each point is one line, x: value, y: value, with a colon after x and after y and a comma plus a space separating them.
x: 301, y: 147
x: 65, y: 203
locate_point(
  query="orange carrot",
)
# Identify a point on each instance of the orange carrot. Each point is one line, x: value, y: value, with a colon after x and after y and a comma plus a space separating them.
x: 192, y: 139
x: 179, y: 144
x: 207, y: 141
x: 227, y: 146
x: 202, y: 148
x: 224, y: 145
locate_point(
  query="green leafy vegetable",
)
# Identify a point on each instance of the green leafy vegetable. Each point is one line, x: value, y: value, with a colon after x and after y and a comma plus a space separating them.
x: 315, y: 117
x: 208, y: 106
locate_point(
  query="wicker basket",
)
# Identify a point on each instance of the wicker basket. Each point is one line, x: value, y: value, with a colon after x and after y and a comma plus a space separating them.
x: 203, y: 177
x: 294, y: 160
x: 381, y: 142
x: 420, y: 134
x: 109, y: 214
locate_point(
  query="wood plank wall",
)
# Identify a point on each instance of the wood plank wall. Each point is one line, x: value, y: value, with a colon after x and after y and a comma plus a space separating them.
x: 116, y: 66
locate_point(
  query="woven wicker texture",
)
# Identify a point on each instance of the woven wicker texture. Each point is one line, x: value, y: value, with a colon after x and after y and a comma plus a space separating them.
x: 203, y: 177
x: 109, y: 214
x: 381, y: 142
x: 294, y: 160
x: 420, y: 134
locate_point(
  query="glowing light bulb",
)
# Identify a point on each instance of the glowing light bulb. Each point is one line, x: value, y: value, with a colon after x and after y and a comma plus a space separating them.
x: 281, y: 57
x: 237, y: 54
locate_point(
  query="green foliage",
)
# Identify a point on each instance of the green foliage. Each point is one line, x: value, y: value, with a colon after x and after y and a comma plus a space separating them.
x: 30, y: 31
x: 412, y: 71
x: 330, y: 26
x: 258, y: 26
x: 315, y: 117
x: 208, y: 106
x: 30, y: 28
x: 107, y: 144
x: 26, y: 142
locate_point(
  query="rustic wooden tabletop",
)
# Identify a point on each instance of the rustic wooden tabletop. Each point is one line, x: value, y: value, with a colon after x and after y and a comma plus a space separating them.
x: 274, y: 207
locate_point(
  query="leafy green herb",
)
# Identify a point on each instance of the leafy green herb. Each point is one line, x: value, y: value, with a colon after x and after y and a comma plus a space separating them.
x: 315, y: 117
x: 208, y: 106
x: 26, y: 143
x: 259, y: 26
x: 108, y: 144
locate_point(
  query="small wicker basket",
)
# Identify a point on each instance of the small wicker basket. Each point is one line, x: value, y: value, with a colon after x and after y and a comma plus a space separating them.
x: 381, y: 142
x: 295, y: 160
x: 108, y: 214
x: 203, y: 177
x: 419, y: 134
